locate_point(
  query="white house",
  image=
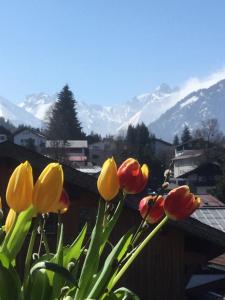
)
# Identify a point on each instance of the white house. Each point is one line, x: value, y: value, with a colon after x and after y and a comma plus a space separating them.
x: 187, y: 161
x: 75, y: 150
x: 29, y: 138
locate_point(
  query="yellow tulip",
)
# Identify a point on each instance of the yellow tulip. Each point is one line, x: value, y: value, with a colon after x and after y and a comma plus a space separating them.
x: 108, y: 182
x: 20, y: 188
x: 48, y: 188
x: 11, y: 217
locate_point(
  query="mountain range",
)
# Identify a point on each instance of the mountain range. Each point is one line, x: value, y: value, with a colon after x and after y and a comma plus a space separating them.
x: 166, y: 111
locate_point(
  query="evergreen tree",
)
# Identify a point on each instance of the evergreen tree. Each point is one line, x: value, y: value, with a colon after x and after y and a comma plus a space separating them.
x: 63, y: 123
x: 93, y: 138
x: 186, y: 135
x: 130, y: 138
x: 176, y: 140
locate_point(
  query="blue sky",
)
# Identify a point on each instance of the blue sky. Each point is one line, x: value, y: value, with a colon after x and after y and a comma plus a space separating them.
x: 107, y: 50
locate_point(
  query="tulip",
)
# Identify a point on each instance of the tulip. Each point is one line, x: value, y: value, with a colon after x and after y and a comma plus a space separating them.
x: 132, y: 177
x: 20, y: 188
x: 151, y: 208
x: 11, y: 217
x: 48, y: 188
x: 180, y: 203
x: 63, y: 203
x: 108, y: 182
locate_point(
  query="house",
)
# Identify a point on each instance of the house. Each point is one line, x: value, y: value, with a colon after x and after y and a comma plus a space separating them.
x: 30, y: 138
x: 202, y: 179
x: 162, y: 149
x: 100, y: 151
x: 167, y: 264
x: 195, y: 164
x: 75, y: 151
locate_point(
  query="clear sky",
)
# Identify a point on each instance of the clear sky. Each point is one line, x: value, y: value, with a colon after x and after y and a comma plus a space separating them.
x: 107, y: 50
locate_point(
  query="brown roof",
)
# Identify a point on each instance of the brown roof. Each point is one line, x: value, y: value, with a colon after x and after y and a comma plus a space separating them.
x: 209, y: 201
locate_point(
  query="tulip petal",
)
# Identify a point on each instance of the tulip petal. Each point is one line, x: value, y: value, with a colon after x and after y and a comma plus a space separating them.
x: 108, y: 182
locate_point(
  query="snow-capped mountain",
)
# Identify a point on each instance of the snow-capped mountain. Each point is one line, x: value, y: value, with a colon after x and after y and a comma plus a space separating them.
x: 165, y: 110
x: 17, y: 115
x: 110, y: 119
x: 38, y: 104
x: 191, y: 110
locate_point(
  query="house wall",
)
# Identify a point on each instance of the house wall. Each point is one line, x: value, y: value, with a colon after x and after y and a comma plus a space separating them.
x: 22, y: 137
x: 185, y: 165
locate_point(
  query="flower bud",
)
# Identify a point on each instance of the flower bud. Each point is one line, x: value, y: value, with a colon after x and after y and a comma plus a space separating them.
x: 11, y: 217
x: 108, y: 183
x: 132, y: 177
x: 151, y: 208
x: 180, y: 203
x: 20, y: 188
x: 48, y: 188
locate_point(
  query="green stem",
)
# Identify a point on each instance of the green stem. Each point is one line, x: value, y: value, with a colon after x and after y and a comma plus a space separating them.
x: 137, y: 251
x: 58, y: 229
x: 43, y: 236
x: 30, y: 252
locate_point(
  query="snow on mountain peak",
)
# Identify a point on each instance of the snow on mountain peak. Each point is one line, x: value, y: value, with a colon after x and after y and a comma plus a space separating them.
x: 17, y: 115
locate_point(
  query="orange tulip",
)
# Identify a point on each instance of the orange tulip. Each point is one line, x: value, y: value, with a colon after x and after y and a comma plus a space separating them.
x: 151, y: 208
x: 180, y: 203
x: 132, y: 177
x: 63, y: 204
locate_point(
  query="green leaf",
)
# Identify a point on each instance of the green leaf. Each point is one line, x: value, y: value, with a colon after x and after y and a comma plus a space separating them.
x: 91, y: 262
x: 10, y: 286
x: 15, y: 241
x: 64, y: 273
x: 124, y: 294
x: 39, y: 287
x: 73, y: 252
x: 112, y: 223
x: 110, y: 266
x: 4, y: 260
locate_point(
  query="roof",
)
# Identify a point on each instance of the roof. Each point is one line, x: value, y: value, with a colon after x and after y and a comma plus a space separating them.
x: 36, y: 132
x: 162, y: 141
x: 199, y: 140
x: 202, y: 279
x: 66, y: 144
x: 39, y: 161
x: 189, y: 154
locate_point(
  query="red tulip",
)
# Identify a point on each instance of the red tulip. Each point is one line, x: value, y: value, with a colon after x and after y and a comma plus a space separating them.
x: 151, y: 208
x: 180, y: 203
x: 132, y: 177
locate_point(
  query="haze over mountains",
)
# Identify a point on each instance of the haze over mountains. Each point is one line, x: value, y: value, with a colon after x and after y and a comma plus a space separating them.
x: 166, y: 110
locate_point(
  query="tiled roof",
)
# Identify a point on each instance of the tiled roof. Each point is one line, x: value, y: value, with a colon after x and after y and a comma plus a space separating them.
x: 213, y: 217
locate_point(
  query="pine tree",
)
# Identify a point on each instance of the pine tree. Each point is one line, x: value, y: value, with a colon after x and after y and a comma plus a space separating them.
x: 63, y: 123
x: 176, y: 140
x: 186, y: 135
